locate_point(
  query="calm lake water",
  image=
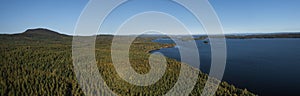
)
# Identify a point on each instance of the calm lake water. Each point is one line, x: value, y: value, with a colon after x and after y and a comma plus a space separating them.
x: 263, y: 66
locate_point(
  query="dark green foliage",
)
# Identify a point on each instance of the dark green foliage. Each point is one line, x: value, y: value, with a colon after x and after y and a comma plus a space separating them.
x: 43, y: 66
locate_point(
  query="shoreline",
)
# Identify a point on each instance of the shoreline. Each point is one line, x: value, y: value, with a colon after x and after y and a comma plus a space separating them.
x: 165, y: 46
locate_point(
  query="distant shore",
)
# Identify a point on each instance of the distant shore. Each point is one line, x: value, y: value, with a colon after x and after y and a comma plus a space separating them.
x: 242, y: 36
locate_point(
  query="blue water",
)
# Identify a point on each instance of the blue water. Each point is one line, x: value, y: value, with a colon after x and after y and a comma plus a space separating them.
x: 263, y: 66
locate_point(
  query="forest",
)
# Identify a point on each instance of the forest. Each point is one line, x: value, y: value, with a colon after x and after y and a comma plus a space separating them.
x: 39, y: 62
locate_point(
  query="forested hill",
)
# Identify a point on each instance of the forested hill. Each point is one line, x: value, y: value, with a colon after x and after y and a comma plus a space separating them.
x: 40, y: 32
x: 36, y: 36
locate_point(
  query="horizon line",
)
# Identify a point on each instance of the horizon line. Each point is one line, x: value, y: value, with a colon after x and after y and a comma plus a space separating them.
x: 231, y: 33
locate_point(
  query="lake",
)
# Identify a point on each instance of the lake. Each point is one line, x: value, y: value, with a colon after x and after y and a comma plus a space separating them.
x: 263, y: 66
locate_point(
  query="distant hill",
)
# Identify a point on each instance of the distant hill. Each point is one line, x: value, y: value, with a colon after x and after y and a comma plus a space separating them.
x: 39, y: 35
x: 42, y: 32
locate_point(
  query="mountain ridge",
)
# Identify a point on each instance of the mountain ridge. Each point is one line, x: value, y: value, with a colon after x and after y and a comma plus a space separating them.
x: 36, y: 36
x: 41, y: 31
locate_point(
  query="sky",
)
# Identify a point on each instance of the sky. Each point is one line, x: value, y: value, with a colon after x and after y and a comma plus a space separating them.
x: 236, y: 16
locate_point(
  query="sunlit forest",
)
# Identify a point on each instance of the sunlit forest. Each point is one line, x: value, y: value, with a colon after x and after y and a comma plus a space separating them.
x: 39, y: 62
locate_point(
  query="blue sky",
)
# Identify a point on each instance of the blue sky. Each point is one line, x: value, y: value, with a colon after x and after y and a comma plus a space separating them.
x: 236, y: 16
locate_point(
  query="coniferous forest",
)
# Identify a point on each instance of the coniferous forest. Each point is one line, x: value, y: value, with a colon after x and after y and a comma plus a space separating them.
x: 39, y: 62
